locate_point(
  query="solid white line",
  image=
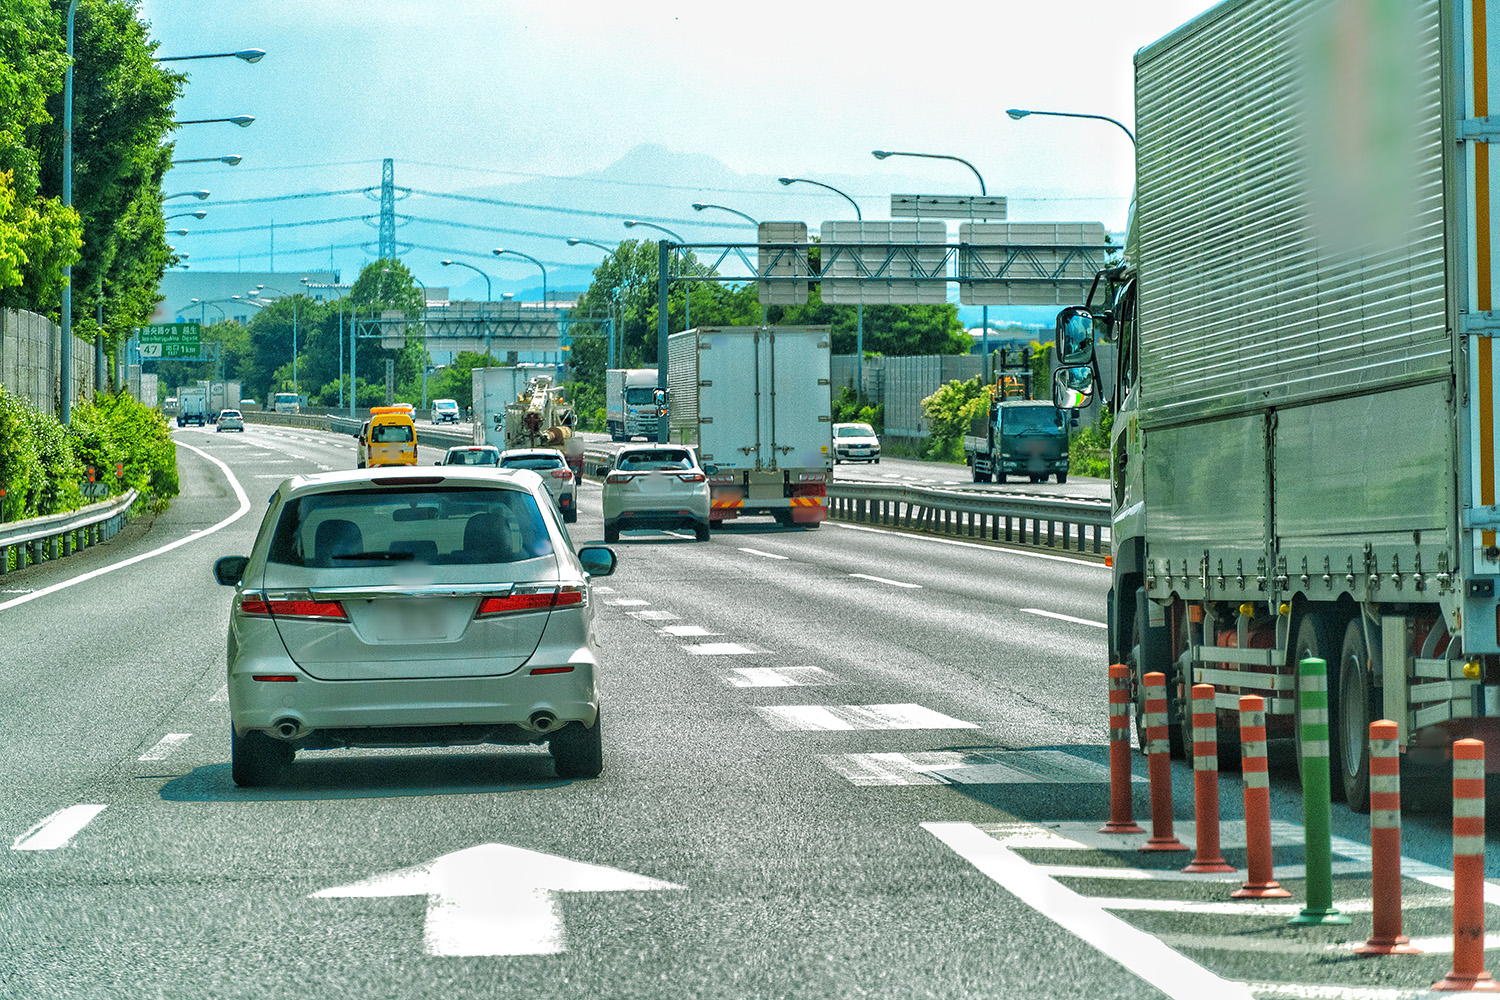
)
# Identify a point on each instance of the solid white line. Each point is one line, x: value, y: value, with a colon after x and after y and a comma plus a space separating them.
x: 881, y: 579
x: 239, y: 491
x: 56, y: 830
x: 973, y: 545
x: 165, y: 746
x: 1063, y: 618
x: 764, y: 555
x: 1146, y: 956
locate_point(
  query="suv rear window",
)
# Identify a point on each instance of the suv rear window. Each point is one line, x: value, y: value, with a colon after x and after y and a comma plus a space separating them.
x: 663, y: 458
x: 440, y: 526
x: 473, y: 456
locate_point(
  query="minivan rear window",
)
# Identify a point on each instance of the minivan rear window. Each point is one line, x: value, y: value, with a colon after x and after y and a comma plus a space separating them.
x: 440, y: 526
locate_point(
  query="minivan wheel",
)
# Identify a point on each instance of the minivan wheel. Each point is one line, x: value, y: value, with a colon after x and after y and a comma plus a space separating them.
x: 256, y: 759
x: 578, y: 752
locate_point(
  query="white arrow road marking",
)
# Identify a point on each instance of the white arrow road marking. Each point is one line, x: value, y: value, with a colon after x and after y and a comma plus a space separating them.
x: 56, y: 830
x: 1064, y: 618
x: 763, y: 555
x: 881, y: 579
x: 494, y: 899
x: 821, y: 717
x: 1146, y: 956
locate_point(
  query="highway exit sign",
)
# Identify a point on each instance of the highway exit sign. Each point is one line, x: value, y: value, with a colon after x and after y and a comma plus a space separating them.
x: 170, y: 340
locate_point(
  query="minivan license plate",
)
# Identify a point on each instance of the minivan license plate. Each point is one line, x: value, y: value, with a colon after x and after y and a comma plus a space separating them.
x: 409, y: 621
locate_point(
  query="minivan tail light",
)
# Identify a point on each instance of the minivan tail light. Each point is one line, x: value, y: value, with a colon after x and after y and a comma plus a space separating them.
x: 258, y: 605
x: 492, y: 607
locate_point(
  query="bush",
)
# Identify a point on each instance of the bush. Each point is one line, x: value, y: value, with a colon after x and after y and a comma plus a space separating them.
x: 847, y: 410
x: 949, y: 412
x: 1088, y: 452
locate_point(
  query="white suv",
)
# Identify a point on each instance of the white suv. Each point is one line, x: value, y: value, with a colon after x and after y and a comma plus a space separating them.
x: 445, y: 411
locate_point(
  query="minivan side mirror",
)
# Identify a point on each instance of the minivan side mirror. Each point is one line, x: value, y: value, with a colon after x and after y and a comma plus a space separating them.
x: 597, y: 560
x: 230, y: 570
x: 1075, y: 336
x: 1073, y: 387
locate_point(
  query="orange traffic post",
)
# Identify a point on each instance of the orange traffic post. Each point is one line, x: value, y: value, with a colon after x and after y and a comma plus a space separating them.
x: 1260, y: 883
x: 1159, y: 766
x: 1468, y: 872
x: 1385, y: 844
x: 1206, y: 783
x: 1121, y: 817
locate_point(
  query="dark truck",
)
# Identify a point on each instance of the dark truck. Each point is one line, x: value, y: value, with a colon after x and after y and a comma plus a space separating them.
x: 1018, y: 438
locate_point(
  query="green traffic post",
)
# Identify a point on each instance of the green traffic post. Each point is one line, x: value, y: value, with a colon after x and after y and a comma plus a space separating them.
x: 1317, y: 801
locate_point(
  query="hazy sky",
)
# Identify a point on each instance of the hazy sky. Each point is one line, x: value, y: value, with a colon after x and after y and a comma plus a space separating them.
x: 475, y: 93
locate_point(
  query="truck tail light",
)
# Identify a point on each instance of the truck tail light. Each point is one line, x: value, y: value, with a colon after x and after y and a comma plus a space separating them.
x: 812, y: 477
x: 619, y: 477
x: 691, y: 477
x: 810, y: 490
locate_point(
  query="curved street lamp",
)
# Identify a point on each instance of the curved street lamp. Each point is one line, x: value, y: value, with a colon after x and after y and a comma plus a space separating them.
x: 573, y: 241
x: 699, y: 206
x: 499, y: 251
x: 232, y: 159
x: 859, y: 316
x: 200, y: 214
x: 687, y: 298
x: 786, y: 181
x: 488, y: 292
x: 243, y: 121
x: 199, y: 194
x: 1019, y: 113
x: 248, y: 55
x: 881, y: 154
x: 632, y: 223
x: 618, y: 328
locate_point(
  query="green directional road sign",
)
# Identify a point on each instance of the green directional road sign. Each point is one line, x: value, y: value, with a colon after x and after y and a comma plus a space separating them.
x: 169, y: 340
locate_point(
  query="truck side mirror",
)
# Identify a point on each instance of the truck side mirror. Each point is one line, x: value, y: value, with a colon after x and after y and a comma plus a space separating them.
x: 1073, y: 387
x: 1075, y: 336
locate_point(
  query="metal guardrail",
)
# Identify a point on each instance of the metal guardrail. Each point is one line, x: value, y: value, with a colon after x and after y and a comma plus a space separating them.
x: 1076, y: 525
x: 58, y: 535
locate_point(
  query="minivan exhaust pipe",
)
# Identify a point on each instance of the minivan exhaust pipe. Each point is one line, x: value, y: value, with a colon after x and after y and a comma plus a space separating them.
x: 542, y: 721
x: 289, y: 728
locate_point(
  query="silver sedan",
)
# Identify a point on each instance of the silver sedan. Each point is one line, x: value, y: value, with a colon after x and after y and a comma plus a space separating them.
x: 412, y: 607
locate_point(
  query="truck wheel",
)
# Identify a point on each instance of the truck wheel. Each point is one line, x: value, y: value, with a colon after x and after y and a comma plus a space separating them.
x: 570, y: 516
x: 611, y: 532
x: 999, y: 475
x: 1315, y: 637
x: 700, y: 532
x: 1150, y: 651
x: 1355, y: 710
x: 256, y: 759
x: 1062, y: 477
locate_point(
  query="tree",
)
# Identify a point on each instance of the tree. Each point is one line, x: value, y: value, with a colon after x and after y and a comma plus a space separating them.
x: 456, y: 380
x: 949, y: 412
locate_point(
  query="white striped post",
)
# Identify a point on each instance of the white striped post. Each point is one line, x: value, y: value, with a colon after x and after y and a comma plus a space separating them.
x: 1385, y: 844
x: 1159, y: 766
x: 1260, y: 881
x: 1206, y: 783
x: 1468, y: 972
x: 1121, y: 818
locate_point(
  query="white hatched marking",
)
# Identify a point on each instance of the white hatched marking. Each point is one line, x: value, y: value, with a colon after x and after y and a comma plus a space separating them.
x: 627, y: 602
x: 165, y: 746
x: 222, y: 694
x: 780, y: 677
x: 687, y: 630
x: 956, y: 767
x: 1306, y: 991
x: 821, y: 717
x: 881, y: 579
x: 763, y: 555
x: 56, y: 830
x: 1064, y: 618
x: 652, y: 616
x: 600, y: 588
x: 720, y: 649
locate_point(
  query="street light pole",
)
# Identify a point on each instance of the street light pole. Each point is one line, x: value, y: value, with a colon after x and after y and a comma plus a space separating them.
x: 489, y: 296
x: 199, y: 194
x: 248, y: 55
x: 614, y: 294
x: 859, y: 318
x: 233, y: 159
x: 498, y: 251
x: 294, y: 328
x: 65, y: 380
x: 243, y: 121
x: 1019, y: 113
x: 699, y: 206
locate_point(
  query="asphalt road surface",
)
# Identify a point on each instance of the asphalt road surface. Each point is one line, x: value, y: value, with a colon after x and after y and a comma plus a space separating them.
x: 838, y: 763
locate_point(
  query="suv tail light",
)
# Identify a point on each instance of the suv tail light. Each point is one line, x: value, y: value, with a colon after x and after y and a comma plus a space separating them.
x: 562, y: 473
x: 258, y: 605
x: 691, y: 477
x: 619, y: 477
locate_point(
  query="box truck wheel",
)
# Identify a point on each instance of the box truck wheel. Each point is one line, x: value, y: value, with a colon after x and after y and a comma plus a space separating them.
x: 1150, y: 651
x: 1356, y: 708
x: 1318, y: 634
x: 1062, y: 477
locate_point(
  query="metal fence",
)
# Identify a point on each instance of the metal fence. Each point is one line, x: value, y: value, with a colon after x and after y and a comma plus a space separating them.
x: 31, y: 357
x: 58, y: 535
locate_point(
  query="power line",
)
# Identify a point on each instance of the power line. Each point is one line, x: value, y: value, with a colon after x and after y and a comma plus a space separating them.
x: 566, y: 211
x: 285, y: 197
x: 279, y: 225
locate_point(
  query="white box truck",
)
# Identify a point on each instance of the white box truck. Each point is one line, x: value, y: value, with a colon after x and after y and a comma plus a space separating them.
x: 1305, y: 411
x: 192, y: 405
x: 631, y: 404
x: 494, y: 389
x: 222, y: 396
x: 757, y: 404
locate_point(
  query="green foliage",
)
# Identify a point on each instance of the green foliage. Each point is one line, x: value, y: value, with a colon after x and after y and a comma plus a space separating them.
x: 456, y: 380
x: 847, y: 410
x: 949, y: 412
x: 588, y: 402
x: 1088, y: 451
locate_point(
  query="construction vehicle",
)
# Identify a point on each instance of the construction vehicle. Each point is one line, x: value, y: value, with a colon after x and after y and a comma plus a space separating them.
x: 535, y: 415
x: 757, y: 404
x: 1298, y: 348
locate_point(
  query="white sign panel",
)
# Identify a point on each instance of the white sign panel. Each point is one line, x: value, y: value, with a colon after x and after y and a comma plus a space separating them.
x: 782, y: 263
x: 893, y: 253
x: 947, y: 206
x: 1043, y: 263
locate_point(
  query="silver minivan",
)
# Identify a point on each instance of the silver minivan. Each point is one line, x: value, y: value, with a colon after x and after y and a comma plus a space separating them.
x: 412, y: 607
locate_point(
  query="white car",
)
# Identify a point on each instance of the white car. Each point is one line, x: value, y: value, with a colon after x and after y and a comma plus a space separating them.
x: 550, y: 464
x: 655, y: 486
x: 412, y: 607
x: 855, y: 443
x: 472, y: 454
x: 445, y: 411
x: 230, y: 420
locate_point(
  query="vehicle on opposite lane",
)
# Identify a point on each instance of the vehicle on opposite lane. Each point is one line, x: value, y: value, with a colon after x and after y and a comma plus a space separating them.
x: 402, y: 607
x: 550, y: 464
x: 444, y: 411
x: 855, y: 443
x: 655, y: 486
x: 230, y: 420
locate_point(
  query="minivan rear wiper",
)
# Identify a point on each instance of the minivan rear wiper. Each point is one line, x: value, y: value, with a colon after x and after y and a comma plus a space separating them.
x: 388, y: 556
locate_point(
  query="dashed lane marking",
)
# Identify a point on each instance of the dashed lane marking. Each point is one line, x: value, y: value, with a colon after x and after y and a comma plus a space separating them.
x: 890, y: 583
x: 720, y: 649
x: 964, y: 767
x: 1143, y: 954
x: 600, y: 588
x: 1064, y: 618
x: 57, y: 830
x: 685, y: 631
x: 627, y: 602
x: 763, y: 555
x: 222, y: 694
x: 780, y: 677
x: 164, y: 746
x: 840, y: 717
x: 652, y: 616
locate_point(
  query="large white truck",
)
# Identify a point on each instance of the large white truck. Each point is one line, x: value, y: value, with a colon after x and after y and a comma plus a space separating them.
x: 757, y: 404
x: 192, y: 405
x: 1303, y: 380
x: 631, y: 403
x: 222, y: 396
x: 520, y: 408
x: 494, y: 390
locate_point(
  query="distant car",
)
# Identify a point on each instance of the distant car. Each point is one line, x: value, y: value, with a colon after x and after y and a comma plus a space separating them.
x: 246, y: 402
x: 399, y: 607
x: 855, y: 443
x: 231, y: 420
x: 555, y: 472
x: 445, y: 411
x: 472, y: 454
x: 655, y: 486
